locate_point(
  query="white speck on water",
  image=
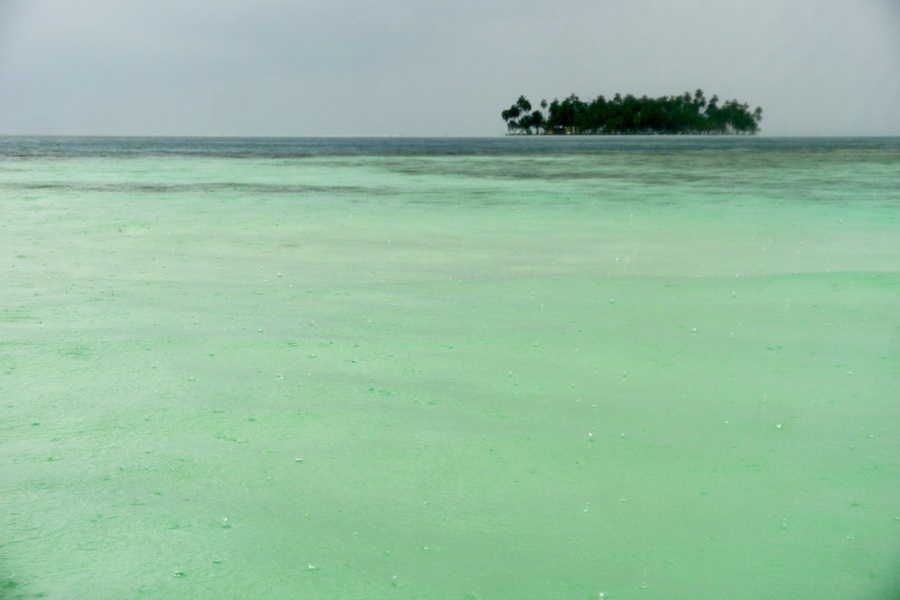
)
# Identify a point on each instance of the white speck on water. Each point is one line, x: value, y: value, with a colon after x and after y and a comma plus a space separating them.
x: 778, y: 426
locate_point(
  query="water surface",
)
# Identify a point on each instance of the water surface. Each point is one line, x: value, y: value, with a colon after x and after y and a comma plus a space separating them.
x: 449, y: 368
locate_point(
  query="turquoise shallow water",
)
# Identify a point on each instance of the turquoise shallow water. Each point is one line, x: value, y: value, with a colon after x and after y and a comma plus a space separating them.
x: 450, y: 369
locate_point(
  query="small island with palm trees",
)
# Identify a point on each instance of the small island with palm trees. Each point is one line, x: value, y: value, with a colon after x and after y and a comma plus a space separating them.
x: 629, y: 115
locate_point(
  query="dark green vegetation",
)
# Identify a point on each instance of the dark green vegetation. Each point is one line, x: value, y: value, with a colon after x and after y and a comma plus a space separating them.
x: 685, y: 114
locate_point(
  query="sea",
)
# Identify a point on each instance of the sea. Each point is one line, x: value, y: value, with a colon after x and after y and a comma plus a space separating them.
x: 526, y: 367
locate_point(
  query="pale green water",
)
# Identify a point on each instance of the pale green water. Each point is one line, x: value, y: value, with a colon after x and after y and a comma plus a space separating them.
x: 513, y: 376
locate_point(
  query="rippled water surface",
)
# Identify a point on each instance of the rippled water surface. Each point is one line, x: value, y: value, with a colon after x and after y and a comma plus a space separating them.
x: 449, y: 369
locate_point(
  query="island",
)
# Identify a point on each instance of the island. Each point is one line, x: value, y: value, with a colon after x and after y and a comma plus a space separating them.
x: 629, y: 115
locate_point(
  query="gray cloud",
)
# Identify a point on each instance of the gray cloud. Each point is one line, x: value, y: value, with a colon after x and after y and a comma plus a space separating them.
x: 345, y: 67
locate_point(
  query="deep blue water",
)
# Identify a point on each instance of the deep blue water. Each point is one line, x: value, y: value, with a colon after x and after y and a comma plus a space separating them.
x: 57, y: 147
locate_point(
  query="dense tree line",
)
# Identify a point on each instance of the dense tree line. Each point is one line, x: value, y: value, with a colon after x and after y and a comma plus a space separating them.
x: 685, y: 114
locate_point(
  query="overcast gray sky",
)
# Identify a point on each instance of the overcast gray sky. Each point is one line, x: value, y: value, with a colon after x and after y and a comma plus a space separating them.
x: 440, y: 67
